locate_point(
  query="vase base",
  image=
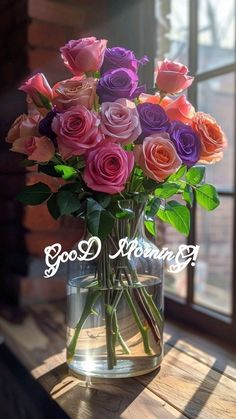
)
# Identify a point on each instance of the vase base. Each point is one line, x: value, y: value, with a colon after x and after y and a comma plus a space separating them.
x: 125, y: 367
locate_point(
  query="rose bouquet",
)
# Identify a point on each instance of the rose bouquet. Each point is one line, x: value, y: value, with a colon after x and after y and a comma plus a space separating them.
x: 117, y: 151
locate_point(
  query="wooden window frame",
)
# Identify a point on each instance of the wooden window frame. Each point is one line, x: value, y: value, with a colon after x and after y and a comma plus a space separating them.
x: 187, y: 310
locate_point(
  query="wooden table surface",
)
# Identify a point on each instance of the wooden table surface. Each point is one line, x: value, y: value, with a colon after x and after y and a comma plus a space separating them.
x: 197, y: 378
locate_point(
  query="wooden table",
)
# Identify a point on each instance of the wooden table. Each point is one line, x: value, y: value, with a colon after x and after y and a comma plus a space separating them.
x: 197, y: 378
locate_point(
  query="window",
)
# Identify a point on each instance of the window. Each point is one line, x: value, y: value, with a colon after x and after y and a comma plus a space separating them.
x: 201, y: 34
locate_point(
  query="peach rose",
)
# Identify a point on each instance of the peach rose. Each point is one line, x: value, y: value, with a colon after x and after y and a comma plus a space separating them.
x: 74, y: 91
x: 180, y: 109
x: 213, y: 140
x: 157, y: 157
x: 39, y: 149
x: 155, y: 99
x: 24, y: 126
x: 172, y: 77
x: 37, y: 87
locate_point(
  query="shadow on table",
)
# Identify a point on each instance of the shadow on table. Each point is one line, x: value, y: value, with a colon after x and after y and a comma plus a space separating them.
x: 101, y: 398
x: 20, y: 395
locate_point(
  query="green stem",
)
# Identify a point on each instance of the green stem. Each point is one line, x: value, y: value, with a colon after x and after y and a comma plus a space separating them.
x: 90, y: 301
x: 111, y: 355
x: 156, y: 313
x: 118, y: 335
x: 148, y: 300
x: 143, y: 330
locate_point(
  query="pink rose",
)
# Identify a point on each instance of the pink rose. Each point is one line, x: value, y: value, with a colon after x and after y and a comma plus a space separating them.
x: 180, y: 110
x: 172, y: 77
x: 84, y: 55
x: 120, y: 120
x: 78, y: 130
x: 75, y: 91
x: 39, y: 149
x: 157, y: 156
x: 38, y: 89
x: 108, y: 168
x: 24, y: 126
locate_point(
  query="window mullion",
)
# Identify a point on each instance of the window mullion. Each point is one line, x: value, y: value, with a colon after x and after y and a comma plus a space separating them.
x: 234, y: 218
x: 219, y: 71
x: 192, y: 96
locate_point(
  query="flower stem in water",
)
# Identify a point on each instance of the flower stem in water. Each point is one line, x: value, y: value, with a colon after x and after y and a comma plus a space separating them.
x: 88, y: 309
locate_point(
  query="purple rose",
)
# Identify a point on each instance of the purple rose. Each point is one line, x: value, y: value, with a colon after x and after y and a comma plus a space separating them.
x: 186, y: 142
x: 153, y: 119
x: 118, y: 83
x: 45, y: 125
x: 121, y: 57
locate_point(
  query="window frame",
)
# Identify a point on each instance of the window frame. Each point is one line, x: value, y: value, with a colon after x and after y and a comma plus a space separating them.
x: 187, y: 310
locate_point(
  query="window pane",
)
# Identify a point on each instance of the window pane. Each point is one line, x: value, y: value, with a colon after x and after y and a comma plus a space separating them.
x: 216, y: 38
x: 213, y: 272
x: 216, y: 97
x: 172, y: 29
x: 175, y: 283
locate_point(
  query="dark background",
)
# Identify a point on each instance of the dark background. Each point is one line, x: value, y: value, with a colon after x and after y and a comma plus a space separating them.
x: 31, y: 33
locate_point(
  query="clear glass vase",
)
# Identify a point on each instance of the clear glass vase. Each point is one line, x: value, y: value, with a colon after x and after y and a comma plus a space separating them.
x: 115, y: 305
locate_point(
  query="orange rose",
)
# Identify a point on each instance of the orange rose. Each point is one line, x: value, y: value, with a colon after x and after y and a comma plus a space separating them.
x: 155, y: 99
x: 213, y: 140
x: 180, y: 109
x: 157, y: 157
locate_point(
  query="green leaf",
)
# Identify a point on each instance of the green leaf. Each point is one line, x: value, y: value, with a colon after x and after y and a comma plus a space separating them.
x: 165, y: 190
x: 207, y: 197
x: 76, y: 162
x: 67, y: 202
x: 34, y: 194
x: 125, y: 214
x: 52, y: 205
x: 99, y: 221
x: 152, y: 207
x: 72, y: 186
x: 151, y: 227
x: 188, y: 194
x: 102, y: 198
x: 177, y: 215
x: 180, y: 173
x: 149, y: 184
x: 66, y: 172
x: 195, y: 175
x: 80, y: 164
x: 45, y: 101
x: 48, y: 169
x: 27, y: 163
x: 97, y: 74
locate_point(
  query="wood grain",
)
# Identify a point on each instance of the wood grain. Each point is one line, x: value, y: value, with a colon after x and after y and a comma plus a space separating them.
x: 192, y: 387
x: 110, y: 399
x: 197, y: 378
x: 209, y: 351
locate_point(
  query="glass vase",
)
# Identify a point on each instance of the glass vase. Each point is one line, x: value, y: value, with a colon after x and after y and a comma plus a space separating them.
x: 115, y: 304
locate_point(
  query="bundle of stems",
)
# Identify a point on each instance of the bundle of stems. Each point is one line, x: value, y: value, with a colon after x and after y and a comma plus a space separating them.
x: 116, y: 279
